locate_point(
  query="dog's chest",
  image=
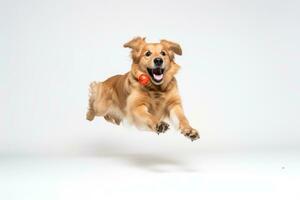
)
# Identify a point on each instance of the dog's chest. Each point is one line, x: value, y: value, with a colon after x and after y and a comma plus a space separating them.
x: 157, y: 102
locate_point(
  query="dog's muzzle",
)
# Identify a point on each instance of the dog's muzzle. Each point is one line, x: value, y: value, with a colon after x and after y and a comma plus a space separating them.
x: 157, y: 74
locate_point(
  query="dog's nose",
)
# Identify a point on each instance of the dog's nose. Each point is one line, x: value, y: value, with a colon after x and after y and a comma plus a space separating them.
x: 158, y: 61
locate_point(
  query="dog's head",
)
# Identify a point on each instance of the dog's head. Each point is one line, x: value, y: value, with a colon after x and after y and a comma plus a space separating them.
x: 155, y: 59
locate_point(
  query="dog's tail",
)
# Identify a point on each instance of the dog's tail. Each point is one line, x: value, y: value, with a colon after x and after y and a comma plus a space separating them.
x: 90, y: 115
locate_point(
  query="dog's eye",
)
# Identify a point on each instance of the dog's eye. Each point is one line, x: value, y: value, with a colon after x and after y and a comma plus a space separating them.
x: 163, y: 53
x: 148, y: 53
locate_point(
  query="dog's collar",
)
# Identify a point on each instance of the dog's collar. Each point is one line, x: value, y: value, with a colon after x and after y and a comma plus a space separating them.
x: 149, y: 86
x: 143, y: 79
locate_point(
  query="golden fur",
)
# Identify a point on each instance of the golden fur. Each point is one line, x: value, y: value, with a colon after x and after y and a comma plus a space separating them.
x: 122, y: 96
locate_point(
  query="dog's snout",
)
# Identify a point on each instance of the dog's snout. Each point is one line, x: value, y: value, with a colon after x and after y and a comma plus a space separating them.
x: 158, y: 61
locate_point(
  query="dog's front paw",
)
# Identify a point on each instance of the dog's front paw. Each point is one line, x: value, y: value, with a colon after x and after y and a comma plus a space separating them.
x: 190, y: 133
x: 161, y: 127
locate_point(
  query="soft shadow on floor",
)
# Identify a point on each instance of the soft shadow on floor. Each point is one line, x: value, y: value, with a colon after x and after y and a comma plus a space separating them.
x: 154, y: 162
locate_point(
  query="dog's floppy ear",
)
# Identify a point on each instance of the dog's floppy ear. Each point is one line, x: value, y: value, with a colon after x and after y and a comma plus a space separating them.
x: 135, y: 44
x: 172, y: 46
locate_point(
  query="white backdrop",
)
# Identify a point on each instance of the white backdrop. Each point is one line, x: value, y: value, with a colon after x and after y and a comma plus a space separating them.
x: 239, y: 82
x: 239, y: 78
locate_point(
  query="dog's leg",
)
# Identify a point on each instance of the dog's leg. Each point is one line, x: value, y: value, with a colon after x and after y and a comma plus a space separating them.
x: 112, y: 119
x: 90, y: 115
x: 177, y: 115
x: 99, y: 102
x: 142, y: 116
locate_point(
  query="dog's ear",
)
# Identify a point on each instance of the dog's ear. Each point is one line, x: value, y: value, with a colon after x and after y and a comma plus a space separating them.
x: 172, y: 46
x: 135, y: 44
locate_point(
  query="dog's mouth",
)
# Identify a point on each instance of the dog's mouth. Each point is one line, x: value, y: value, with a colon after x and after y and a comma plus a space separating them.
x: 157, y: 74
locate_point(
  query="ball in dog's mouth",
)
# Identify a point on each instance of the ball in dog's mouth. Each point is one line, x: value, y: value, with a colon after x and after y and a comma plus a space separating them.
x: 157, y: 74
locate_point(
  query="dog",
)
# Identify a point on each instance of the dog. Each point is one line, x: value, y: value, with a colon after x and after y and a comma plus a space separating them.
x: 146, y: 106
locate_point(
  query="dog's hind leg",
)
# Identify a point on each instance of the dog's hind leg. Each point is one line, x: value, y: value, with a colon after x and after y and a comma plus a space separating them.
x: 99, y: 101
x: 90, y: 115
x: 112, y: 119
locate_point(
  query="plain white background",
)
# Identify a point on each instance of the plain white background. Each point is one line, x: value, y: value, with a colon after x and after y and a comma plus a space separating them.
x: 239, y: 81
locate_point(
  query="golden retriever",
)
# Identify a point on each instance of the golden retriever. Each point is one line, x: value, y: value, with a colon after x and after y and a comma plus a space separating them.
x: 143, y: 105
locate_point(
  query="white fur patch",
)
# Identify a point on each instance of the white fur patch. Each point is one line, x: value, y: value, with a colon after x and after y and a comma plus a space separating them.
x: 174, y: 119
x: 115, y: 111
x: 93, y: 88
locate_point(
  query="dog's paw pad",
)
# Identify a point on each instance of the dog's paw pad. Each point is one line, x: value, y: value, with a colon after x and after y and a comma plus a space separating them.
x: 161, y: 127
x: 191, y: 133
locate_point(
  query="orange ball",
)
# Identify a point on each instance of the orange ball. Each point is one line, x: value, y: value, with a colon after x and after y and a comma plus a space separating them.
x: 144, y: 79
